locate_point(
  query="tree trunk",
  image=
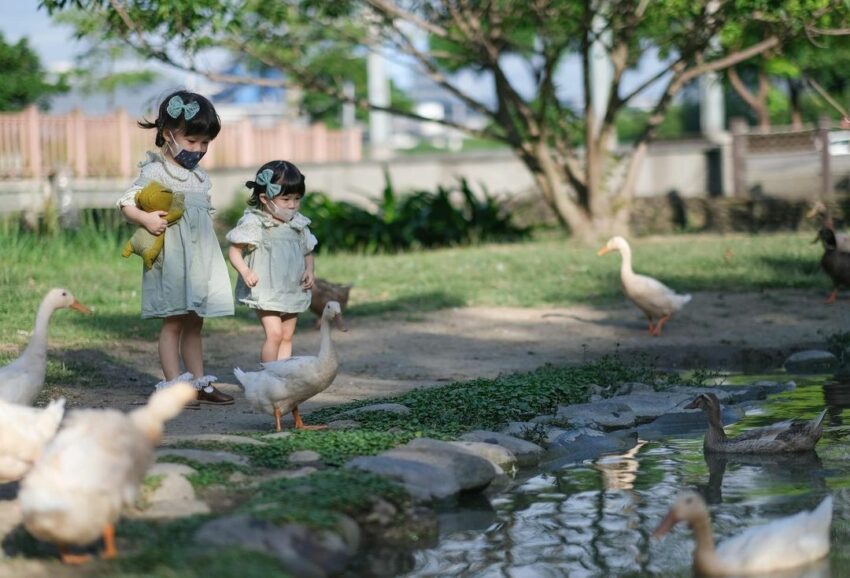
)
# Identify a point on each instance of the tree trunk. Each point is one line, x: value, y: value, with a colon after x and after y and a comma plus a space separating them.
x: 794, y: 101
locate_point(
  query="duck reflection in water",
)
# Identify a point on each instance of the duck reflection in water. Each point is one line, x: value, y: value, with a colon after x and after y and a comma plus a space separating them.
x: 803, y: 469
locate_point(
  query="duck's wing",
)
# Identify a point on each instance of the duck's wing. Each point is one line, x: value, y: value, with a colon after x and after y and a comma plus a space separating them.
x: 290, y: 366
x: 20, y: 382
x: 783, y: 543
x: 653, y: 295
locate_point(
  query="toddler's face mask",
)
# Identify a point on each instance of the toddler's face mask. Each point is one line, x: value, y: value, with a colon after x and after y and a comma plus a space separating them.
x: 185, y: 158
x: 281, y: 213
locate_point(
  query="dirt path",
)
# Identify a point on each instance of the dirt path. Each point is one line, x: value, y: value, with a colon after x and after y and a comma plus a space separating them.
x: 386, y: 356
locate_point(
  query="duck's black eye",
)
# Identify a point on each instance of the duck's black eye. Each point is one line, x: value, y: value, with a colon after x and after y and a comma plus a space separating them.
x: 64, y: 294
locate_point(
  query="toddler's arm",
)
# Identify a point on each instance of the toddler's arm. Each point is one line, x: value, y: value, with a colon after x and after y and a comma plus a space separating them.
x: 309, y: 277
x: 235, y: 254
x: 154, y: 221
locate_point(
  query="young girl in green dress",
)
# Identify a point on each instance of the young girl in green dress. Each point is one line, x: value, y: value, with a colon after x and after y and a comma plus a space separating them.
x: 188, y: 281
x: 272, y: 250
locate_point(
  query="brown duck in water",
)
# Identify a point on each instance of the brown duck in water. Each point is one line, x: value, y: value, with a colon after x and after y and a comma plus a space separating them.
x: 835, y: 263
x: 783, y: 437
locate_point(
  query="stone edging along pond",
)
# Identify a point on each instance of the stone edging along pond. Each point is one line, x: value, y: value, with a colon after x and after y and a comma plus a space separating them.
x: 313, y: 519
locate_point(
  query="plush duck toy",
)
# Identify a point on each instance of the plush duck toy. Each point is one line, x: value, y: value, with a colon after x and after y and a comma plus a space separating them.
x: 764, y: 550
x: 283, y: 385
x: 654, y: 298
x: 93, y: 469
x: 21, y: 380
x: 154, y: 197
x: 24, y: 431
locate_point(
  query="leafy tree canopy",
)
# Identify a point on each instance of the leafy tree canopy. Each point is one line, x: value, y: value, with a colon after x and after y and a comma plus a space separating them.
x: 24, y: 80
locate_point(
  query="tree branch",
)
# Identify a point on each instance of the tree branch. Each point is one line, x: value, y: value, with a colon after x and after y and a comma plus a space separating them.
x: 391, y: 11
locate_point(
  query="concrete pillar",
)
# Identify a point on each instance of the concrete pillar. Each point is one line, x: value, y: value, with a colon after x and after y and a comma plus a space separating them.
x: 379, y: 95
x: 348, y: 117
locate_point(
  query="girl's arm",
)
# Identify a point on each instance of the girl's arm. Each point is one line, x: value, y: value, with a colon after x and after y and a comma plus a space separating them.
x: 235, y: 255
x: 153, y: 221
x: 309, y: 278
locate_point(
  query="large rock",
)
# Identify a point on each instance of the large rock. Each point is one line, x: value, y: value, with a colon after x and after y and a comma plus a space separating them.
x: 301, y: 551
x: 396, y: 408
x: 812, y: 361
x: 607, y: 414
x: 210, y: 438
x: 501, y: 458
x: 430, y: 469
x: 525, y: 452
x: 172, y: 497
x: 586, y: 443
x: 202, y: 456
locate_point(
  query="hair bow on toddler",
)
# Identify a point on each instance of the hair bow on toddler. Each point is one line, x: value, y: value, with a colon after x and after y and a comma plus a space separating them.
x: 264, y: 178
x: 176, y: 106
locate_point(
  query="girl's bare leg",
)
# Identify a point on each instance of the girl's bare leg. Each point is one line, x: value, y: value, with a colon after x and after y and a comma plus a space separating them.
x: 169, y: 346
x: 287, y: 325
x: 273, y: 327
x: 191, y: 346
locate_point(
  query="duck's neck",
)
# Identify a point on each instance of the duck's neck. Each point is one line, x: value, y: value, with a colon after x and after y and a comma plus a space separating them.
x: 705, y: 556
x: 715, y: 434
x: 327, y: 353
x: 626, y: 262
x: 38, y: 343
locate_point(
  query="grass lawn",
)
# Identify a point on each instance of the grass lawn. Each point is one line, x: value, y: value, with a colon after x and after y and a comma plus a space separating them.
x: 547, y: 272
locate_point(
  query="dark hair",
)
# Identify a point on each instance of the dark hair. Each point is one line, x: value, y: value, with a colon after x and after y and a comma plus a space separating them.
x: 285, y: 174
x: 204, y: 123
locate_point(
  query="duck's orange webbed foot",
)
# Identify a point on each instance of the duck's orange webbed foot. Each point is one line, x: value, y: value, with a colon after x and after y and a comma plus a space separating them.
x: 659, y: 325
x: 73, y: 559
x: 832, y: 297
x: 109, y: 550
x: 277, y: 426
x: 299, y: 424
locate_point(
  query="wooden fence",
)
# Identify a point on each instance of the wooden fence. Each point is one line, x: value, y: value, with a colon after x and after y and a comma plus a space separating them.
x: 32, y: 145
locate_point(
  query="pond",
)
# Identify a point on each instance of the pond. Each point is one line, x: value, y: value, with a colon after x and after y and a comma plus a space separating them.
x: 595, y: 518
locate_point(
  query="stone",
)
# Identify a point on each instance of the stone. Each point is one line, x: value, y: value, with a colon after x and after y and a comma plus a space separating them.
x: 210, y: 438
x: 396, y: 408
x: 202, y: 456
x: 283, y: 475
x: 301, y: 551
x: 526, y: 453
x: 339, y: 424
x: 502, y: 458
x: 586, y: 443
x: 430, y: 469
x: 811, y: 361
x: 304, y: 457
x: 166, y: 468
x: 606, y: 414
x: 278, y: 435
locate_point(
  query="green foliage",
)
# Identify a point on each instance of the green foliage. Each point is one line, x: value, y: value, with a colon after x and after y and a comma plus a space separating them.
x: 420, y: 220
x: 24, y: 80
x: 491, y: 403
x: 317, y: 500
x: 335, y: 447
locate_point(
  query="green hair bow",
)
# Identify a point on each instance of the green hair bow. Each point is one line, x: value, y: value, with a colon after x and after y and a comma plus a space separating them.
x: 264, y: 178
x: 176, y: 107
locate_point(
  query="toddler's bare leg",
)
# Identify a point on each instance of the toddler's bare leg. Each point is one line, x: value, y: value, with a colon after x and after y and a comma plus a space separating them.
x: 287, y: 325
x: 191, y: 346
x: 169, y: 346
x: 273, y: 327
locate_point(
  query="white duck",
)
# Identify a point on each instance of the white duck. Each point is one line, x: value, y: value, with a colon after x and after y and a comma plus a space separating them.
x: 21, y: 380
x: 92, y: 469
x: 283, y: 385
x: 24, y: 431
x: 654, y: 298
x: 778, y: 545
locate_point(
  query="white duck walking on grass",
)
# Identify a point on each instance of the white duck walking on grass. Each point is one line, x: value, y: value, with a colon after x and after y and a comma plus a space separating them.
x: 21, y: 380
x: 654, y: 298
x: 283, y: 385
x: 24, y: 431
x: 778, y: 545
x: 93, y: 469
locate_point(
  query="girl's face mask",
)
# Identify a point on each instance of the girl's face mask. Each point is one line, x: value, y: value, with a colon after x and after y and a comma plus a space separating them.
x: 183, y: 157
x: 286, y: 213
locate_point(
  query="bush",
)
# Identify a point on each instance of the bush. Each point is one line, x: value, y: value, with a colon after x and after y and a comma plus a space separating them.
x: 422, y: 219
